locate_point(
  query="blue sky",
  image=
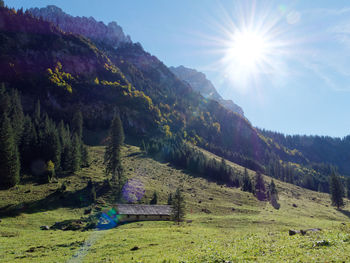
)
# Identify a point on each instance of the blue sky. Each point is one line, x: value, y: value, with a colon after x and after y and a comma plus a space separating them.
x: 300, y: 84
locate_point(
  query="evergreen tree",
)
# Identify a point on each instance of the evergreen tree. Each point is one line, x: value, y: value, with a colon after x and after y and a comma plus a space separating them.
x: 28, y: 144
x: 273, y: 195
x: 9, y: 157
x: 16, y: 115
x: 154, y: 199
x: 50, y: 142
x: 260, y: 190
x: 4, y: 100
x: 348, y: 187
x: 76, y: 153
x: 246, y: 182
x: 85, y: 157
x: 337, y: 191
x: 112, y: 158
x: 170, y: 199
x: 2, y: 4
x: 77, y: 124
x: 178, y: 206
x: 37, y: 113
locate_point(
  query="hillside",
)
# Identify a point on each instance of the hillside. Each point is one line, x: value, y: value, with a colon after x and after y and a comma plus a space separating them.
x: 235, y: 226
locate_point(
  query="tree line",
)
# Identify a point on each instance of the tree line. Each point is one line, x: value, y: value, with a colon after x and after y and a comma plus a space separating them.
x: 34, y: 144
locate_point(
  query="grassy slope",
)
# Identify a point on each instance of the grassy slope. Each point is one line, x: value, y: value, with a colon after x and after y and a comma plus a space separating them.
x: 239, y: 228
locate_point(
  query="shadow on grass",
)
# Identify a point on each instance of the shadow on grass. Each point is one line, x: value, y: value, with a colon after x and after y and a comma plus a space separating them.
x: 79, y: 198
x: 345, y: 212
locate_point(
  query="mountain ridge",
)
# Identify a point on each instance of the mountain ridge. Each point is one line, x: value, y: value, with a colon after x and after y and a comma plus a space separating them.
x: 204, y: 86
x: 112, y: 33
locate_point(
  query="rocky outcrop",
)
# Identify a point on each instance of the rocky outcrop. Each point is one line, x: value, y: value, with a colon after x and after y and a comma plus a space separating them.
x: 199, y: 82
x: 111, y: 34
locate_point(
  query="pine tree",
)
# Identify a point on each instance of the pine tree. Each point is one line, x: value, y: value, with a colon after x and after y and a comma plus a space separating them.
x: 2, y: 4
x: 9, y: 157
x: 273, y: 195
x: 246, y: 182
x: 37, y: 113
x: 178, y: 206
x: 77, y: 124
x: 85, y: 156
x: 112, y: 158
x: 16, y: 115
x: 337, y: 191
x: 154, y: 199
x: 76, y: 153
x: 4, y: 100
x: 170, y: 199
x: 260, y: 190
x: 28, y: 144
x: 348, y: 187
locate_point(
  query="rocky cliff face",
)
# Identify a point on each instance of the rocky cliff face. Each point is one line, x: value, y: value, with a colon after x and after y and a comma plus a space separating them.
x: 111, y: 34
x: 199, y: 82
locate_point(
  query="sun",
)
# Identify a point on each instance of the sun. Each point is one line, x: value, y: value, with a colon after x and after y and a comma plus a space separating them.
x: 248, y: 49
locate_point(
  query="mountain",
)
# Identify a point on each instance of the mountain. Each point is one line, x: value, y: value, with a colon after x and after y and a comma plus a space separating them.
x: 205, y: 87
x: 69, y: 71
x: 110, y: 34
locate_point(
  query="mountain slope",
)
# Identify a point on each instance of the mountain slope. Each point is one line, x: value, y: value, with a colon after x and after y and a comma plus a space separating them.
x: 201, y: 84
x: 222, y: 223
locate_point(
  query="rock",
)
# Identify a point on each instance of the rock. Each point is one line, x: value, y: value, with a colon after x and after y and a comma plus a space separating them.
x: 200, y: 201
x: 205, y: 210
x: 322, y: 243
x: 45, y: 228
x: 233, y: 209
x: 211, y: 199
x: 189, y: 221
x: 27, y: 191
x: 303, y: 232
x: 294, y: 205
x: 293, y: 232
x: 134, y: 248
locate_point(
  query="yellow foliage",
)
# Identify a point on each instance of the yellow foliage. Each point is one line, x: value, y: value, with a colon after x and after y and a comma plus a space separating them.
x: 50, y: 166
x: 97, y: 82
x: 167, y: 131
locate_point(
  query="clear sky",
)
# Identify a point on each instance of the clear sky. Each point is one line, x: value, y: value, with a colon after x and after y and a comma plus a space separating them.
x: 286, y: 63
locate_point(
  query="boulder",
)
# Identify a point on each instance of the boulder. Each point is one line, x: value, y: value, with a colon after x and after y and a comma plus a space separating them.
x: 45, y: 228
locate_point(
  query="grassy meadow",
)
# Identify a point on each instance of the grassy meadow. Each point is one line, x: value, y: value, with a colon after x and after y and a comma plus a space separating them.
x: 222, y: 224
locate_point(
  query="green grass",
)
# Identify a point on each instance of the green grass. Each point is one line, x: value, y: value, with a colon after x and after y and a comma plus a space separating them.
x: 238, y: 229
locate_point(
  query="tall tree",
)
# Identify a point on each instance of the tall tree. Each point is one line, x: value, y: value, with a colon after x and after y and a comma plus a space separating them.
x: 260, y: 189
x: 76, y: 153
x: 337, y: 191
x: 77, y: 123
x: 28, y: 144
x: 273, y: 195
x: 16, y: 114
x: 37, y: 112
x: 112, y: 158
x: 154, y: 199
x: 348, y: 187
x: 246, y: 182
x: 178, y: 206
x: 9, y: 157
